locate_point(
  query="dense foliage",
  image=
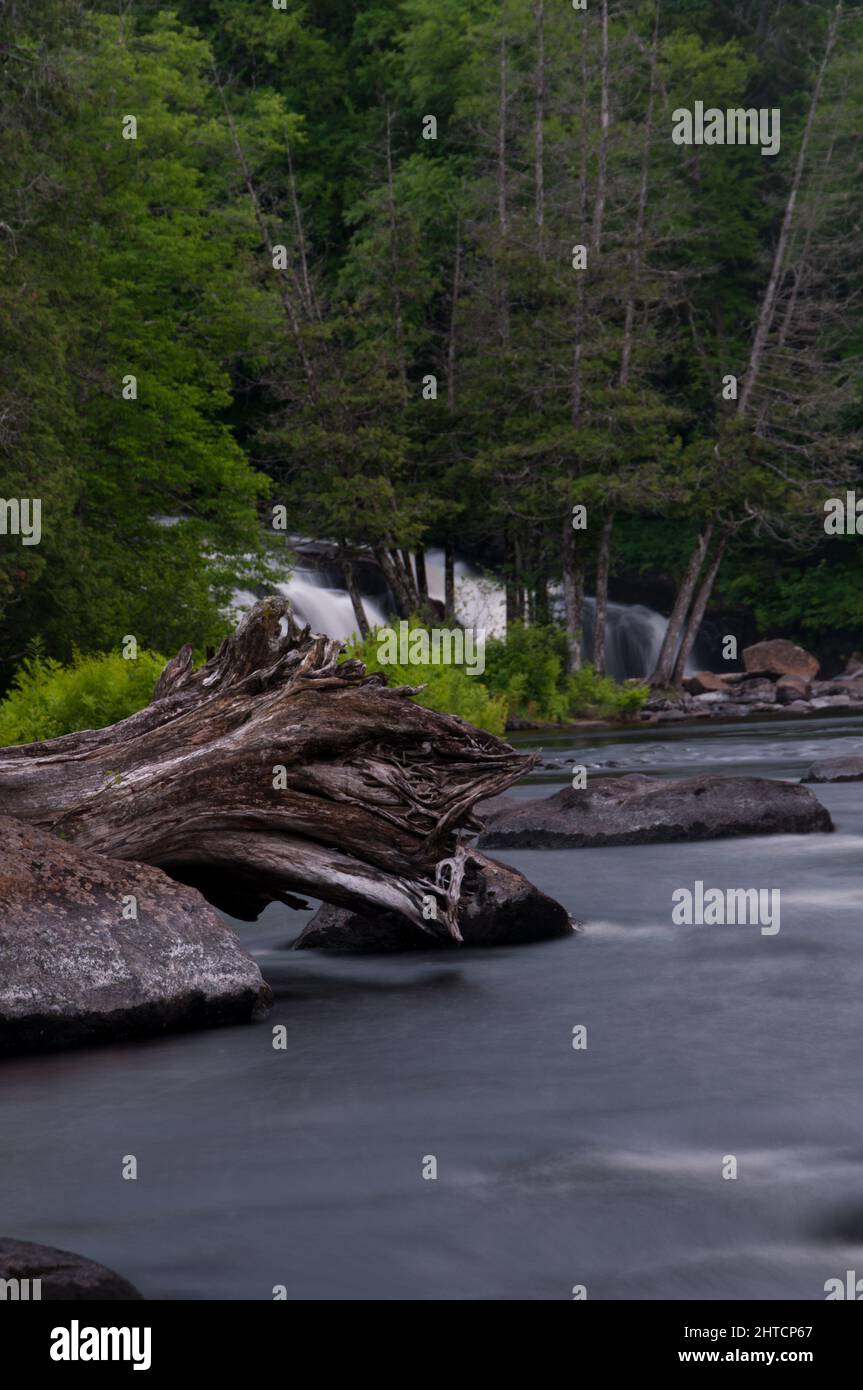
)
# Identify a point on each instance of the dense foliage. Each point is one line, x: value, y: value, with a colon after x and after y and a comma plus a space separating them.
x: 48, y: 699
x: 331, y: 302
x: 523, y: 677
x: 446, y: 688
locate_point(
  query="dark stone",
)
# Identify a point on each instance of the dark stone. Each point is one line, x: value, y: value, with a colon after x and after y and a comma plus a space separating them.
x: 838, y: 687
x: 835, y: 770
x: 753, y: 690
x: 639, y: 810
x: 63, y: 1275
x: 499, y: 907
x: 854, y: 665
x: 791, y: 688
x: 73, y: 969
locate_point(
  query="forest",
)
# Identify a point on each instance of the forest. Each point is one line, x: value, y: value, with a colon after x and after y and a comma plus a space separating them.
x: 415, y: 273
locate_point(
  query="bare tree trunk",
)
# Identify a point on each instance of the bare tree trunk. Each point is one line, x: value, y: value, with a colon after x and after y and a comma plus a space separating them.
x: 422, y: 579
x: 602, y: 559
x: 538, y: 138
x: 523, y: 614
x: 640, y: 215
x: 662, y: 672
x: 512, y: 581
x: 541, y: 606
x: 398, y: 317
x: 275, y: 769
x: 573, y: 596
x: 353, y: 589
x: 311, y: 305
x: 449, y: 580
x: 502, y: 211
x: 451, y: 338
x: 402, y: 562
x: 573, y: 562
x: 768, y: 303
x: 264, y: 231
x: 599, y: 203
x: 580, y: 289
x: 395, y: 583
x: 699, y: 607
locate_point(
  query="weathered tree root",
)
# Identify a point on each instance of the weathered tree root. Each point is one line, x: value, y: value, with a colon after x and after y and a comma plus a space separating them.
x: 274, y: 770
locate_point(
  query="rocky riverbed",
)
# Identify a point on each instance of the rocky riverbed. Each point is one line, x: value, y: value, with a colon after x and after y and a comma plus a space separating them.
x: 778, y: 678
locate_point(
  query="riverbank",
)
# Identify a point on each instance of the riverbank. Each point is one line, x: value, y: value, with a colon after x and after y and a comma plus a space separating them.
x: 777, y: 714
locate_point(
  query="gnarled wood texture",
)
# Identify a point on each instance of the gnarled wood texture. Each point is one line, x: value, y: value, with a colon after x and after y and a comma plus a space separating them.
x: 376, y: 788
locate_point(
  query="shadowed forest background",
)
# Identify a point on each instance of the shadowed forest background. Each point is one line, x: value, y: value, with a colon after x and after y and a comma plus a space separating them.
x: 283, y: 261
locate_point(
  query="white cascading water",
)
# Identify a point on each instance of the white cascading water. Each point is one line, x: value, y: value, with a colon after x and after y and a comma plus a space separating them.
x: 325, y: 608
x: 634, y: 633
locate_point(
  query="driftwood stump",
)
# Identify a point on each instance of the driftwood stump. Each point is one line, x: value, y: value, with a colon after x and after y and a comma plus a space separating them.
x: 274, y: 770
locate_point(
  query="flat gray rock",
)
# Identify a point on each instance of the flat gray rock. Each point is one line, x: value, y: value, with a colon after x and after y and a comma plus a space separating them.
x: 835, y: 770
x: 61, y: 1275
x: 74, y: 968
x: 499, y: 907
x: 639, y: 810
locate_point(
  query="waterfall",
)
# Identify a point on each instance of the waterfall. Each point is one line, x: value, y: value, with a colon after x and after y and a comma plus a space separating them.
x: 325, y: 606
x: 634, y: 633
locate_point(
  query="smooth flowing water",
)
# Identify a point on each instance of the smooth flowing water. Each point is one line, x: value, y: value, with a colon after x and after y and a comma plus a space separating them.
x: 556, y: 1167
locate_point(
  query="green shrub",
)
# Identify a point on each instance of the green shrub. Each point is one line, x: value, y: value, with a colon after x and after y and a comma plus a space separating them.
x: 528, y: 667
x: 48, y: 699
x: 525, y: 677
x: 448, y: 689
x: 602, y: 697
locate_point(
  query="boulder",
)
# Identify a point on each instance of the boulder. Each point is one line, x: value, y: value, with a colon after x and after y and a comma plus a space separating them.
x: 499, y: 907
x: 62, y: 1275
x: 703, y: 683
x: 854, y: 665
x: 752, y: 690
x: 640, y: 810
x: 836, y: 687
x: 76, y: 966
x: 835, y: 770
x: 779, y: 657
x: 791, y: 688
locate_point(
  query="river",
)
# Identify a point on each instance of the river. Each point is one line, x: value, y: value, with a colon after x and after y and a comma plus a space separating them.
x: 556, y: 1167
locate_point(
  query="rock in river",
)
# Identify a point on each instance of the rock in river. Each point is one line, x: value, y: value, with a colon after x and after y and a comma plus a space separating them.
x: 835, y: 770
x: 94, y: 948
x: 35, y: 1273
x: 499, y: 907
x: 639, y: 810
